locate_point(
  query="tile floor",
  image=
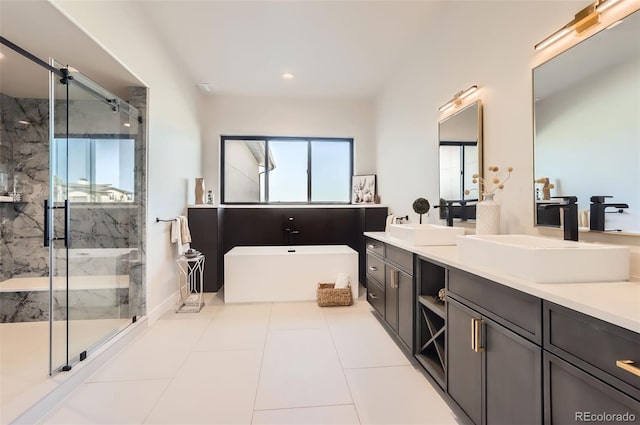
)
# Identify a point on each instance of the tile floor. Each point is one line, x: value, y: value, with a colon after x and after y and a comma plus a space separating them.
x: 280, y: 363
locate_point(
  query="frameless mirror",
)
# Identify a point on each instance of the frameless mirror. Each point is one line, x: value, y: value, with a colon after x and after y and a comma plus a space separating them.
x: 587, y: 130
x: 460, y: 150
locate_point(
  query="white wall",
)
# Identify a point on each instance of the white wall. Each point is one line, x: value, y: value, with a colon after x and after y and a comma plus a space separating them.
x: 485, y: 43
x: 268, y: 116
x: 173, y: 123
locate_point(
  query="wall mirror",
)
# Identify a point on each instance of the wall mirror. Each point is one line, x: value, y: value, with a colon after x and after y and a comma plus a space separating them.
x: 460, y: 150
x: 587, y: 129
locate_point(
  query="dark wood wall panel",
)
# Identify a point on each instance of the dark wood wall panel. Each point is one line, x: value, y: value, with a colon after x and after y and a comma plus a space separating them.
x: 216, y: 231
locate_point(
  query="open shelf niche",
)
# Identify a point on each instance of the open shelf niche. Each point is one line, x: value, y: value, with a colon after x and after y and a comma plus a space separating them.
x: 431, y: 320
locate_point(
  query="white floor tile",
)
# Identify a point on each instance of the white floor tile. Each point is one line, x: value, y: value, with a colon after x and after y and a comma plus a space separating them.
x: 281, y: 363
x: 236, y: 327
x: 361, y: 341
x: 297, y: 315
x: 397, y: 395
x: 109, y: 403
x: 211, y: 388
x: 326, y: 415
x: 300, y: 369
x: 156, y: 354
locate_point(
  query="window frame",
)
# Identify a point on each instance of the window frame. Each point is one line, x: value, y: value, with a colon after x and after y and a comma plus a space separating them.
x: 293, y: 139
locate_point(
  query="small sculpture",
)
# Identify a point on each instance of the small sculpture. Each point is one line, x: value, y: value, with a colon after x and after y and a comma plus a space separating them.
x: 421, y: 206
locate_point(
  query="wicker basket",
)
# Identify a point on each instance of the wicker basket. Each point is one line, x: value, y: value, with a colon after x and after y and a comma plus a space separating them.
x: 328, y: 296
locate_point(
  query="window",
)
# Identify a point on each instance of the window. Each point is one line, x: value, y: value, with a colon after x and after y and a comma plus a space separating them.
x: 458, y: 164
x: 94, y: 169
x: 286, y: 170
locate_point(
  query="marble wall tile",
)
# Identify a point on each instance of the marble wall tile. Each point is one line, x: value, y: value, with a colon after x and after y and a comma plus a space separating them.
x: 24, y: 153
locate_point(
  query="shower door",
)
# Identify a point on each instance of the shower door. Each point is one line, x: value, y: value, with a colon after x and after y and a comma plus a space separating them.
x: 94, y: 217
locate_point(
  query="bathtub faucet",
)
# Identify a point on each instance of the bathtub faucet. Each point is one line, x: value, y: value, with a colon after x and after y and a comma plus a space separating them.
x: 290, y: 231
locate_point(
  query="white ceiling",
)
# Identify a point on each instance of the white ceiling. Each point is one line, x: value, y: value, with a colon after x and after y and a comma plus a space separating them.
x: 41, y: 29
x: 334, y: 48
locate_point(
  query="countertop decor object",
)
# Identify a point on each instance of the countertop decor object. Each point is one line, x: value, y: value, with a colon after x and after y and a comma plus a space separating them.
x: 363, y: 189
x: 487, y: 216
x: 487, y: 210
x: 421, y: 206
x: 200, y: 190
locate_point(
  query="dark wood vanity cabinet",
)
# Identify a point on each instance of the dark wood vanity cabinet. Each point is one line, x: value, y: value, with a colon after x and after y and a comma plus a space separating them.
x: 430, y: 318
x: 203, y: 223
x: 494, y: 368
x: 582, y: 370
x: 390, y: 277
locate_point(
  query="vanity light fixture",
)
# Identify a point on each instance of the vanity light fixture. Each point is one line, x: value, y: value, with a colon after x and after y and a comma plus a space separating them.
x: 458, y: 98
x: 582, y: 21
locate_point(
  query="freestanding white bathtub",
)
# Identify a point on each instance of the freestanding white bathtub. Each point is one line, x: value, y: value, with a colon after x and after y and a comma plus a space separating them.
x: 285, y: 273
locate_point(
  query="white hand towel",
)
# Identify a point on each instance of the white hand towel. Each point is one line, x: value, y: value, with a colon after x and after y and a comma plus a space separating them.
x: 342, y: 281
x: 184, y: 229
x: 390, y: 220
x: 175, y: 231
x: 176, y: 236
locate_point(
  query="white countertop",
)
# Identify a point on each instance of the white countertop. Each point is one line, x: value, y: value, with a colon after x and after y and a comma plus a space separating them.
x: 613, y: 302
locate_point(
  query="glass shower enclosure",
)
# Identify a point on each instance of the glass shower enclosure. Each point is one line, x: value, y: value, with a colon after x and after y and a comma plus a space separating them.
x: 92, y: 216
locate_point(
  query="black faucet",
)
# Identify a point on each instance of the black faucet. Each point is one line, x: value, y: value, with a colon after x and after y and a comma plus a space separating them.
x: 465, y: 211
x: 570, y: 216
x: 596, y: 219
x: 290, y: 231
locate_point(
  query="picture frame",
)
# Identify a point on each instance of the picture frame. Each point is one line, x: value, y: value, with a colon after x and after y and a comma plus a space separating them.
x: 364, y: 189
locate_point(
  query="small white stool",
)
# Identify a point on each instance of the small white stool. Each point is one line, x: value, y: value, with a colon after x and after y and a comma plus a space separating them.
x: 191, y: 283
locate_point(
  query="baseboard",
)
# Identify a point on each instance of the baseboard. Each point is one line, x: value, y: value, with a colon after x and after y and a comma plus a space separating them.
x: 168, y: 304
x: 66, y: 382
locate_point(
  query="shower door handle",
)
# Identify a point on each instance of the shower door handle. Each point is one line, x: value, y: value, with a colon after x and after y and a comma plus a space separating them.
x: 47, y: 224
x: 67, y: 224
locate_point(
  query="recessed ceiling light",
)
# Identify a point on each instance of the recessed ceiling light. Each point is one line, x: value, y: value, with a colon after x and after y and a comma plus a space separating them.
x: 25, y: 122
x: 1, y: 55
x: 72, y: 69
x: 127, y: 124
x: 288, y: 76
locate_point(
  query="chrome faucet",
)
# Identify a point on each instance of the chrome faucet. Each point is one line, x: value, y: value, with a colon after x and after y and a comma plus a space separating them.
x: 570, y: 216
x: 597, y: 211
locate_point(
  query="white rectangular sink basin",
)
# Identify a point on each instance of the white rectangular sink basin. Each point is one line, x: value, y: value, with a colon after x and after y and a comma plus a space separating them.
x: 425, y: 234
x: 545, y: 260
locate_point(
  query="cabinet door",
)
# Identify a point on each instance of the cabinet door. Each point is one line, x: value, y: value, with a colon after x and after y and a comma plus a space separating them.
x: 405, y: 309
x: 464, y: 365
x: 572, y: 395
x: 513, y: 377
x: 391, y: 296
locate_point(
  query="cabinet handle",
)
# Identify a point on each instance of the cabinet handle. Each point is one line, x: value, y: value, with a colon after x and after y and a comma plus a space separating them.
x: 373, y: 268
x: 373, y: 297
x: 629, y: 366
x: 372, y: 246
x: 394, y: 278
x: 476, y: 344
